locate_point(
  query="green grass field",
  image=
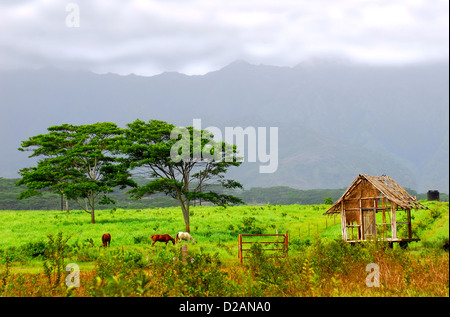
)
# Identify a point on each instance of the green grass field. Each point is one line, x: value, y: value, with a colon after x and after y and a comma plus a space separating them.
x: 211, y: 226
x: 215, y: 229
x: 319, y: 263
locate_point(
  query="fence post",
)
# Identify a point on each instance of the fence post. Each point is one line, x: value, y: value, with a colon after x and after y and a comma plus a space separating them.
x: 286, y: 242
x: 184, y: 250
x: 240, y: 248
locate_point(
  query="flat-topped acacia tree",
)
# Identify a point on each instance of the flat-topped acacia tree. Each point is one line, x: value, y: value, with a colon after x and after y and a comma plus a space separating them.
x: 179, y: 162
x: 76, y: 161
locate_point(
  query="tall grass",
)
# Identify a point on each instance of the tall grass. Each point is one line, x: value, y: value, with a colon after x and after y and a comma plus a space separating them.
x: 325, y: 268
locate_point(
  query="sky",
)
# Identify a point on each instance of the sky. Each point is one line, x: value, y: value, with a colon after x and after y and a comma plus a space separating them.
x: 198, y: 36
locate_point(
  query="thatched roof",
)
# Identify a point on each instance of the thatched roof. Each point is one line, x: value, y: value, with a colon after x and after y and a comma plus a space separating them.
x: 387, y: 187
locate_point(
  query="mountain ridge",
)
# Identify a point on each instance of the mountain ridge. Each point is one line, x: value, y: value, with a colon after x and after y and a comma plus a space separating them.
x: 358, y: 119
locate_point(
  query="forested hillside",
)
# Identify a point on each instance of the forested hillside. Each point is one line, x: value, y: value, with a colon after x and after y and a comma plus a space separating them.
x: 279, y: 195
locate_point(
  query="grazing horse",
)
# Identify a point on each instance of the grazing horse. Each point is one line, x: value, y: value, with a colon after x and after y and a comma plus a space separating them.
x: 446, y: 246
x: 162, y: 238
x: 106, y: 239
x: 184, y: 236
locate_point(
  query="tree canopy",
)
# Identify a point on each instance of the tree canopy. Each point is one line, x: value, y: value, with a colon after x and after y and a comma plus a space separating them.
x: 84, y: 163
x: 76, y: 161
x: 180, y: 162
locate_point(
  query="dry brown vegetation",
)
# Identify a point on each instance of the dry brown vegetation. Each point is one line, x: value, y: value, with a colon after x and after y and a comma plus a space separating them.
x: 330, y: 268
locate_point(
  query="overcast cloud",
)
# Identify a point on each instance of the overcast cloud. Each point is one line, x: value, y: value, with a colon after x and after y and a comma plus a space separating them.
x: 197, y: 36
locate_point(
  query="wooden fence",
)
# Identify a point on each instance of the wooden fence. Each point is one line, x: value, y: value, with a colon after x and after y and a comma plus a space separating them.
x: 284, y: 243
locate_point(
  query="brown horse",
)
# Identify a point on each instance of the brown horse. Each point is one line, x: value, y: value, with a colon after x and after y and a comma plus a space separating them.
x: 162, y: 238
x: 106, y: 239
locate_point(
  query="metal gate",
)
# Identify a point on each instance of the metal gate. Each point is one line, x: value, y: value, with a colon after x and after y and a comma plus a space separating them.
x: 283, y: 248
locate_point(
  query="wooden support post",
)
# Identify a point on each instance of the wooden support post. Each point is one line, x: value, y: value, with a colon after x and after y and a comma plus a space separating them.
x: 375, y: 206
x: 383, y: 204
x: 408, y: 213
x: 361, y: 228
x: 394, y: 220
x: 343, y: 222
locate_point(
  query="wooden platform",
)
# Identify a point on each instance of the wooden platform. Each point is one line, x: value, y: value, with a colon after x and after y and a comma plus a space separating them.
x: 402, y: 242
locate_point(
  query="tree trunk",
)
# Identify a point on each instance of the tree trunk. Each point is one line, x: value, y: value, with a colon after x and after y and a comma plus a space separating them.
x: 67, y: 204
x: 185, y: 210
x: 185, y: 214
x: 92, y: 203
x: 186, y: 217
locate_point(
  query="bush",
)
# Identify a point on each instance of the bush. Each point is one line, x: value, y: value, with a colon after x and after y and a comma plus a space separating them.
x: 85, y: 251
x: 201, y: 275
x: 134, y: 258
x: 268, y: 271
x: 194, y: 275
x: 299, y: 244
x: 110, y: 264
x: 134, y: 284
x: 35, y: 249
x: 141, y: 239
x: 116, y: 277
x: 54, y: 267
x: 249, y: 226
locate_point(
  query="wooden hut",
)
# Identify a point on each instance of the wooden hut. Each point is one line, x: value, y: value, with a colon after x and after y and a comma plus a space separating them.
x: 376, y: 208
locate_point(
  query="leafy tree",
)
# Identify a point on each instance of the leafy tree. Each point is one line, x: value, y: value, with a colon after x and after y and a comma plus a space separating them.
x: 179, y: 162
x: 328, y: 201
x: 77, y: 162
x: 45, y: 176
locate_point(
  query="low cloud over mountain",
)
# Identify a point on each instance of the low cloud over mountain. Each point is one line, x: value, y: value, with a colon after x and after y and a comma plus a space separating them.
x: 334, y: 120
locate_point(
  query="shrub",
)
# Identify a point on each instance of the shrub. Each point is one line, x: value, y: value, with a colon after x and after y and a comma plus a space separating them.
x: 198, y: 274
x: 85, y: 251
x: 54, y: 260
x: 201, y: 275
x: 117, y: 262
x: 134, y: 258
x: 35, y: 249
x: 11, y: 254
x: 299, y: 244
x: 249, y: 226
x: 141, y: 239
x: 121, y: 282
